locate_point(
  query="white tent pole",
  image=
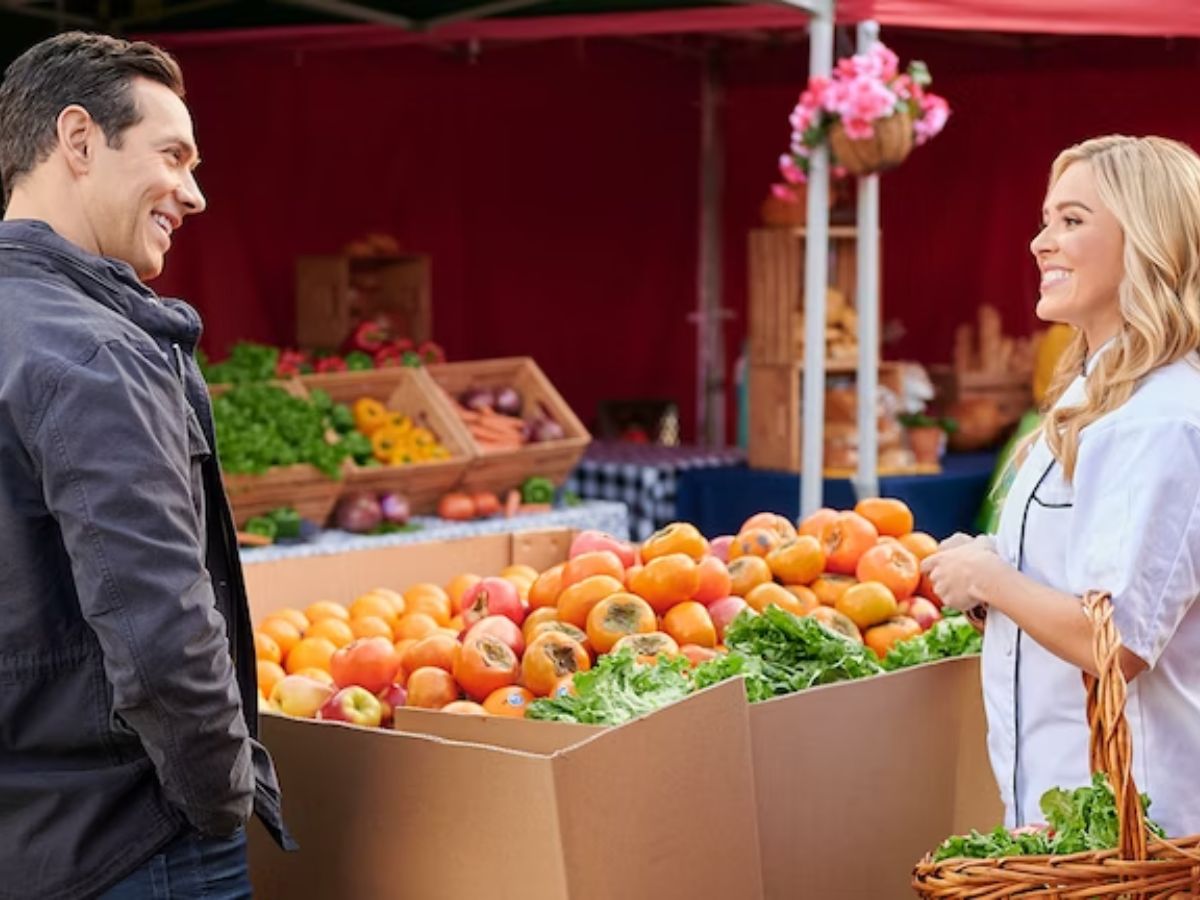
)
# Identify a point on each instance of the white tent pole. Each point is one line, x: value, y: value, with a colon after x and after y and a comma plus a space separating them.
x: 710, y: 344
x: 866, y: 481
x: 816, y: 263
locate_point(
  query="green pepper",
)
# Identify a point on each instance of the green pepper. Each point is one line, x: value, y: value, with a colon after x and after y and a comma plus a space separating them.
x: 357, y: 361
x: 537, y: 490
x: 261, y: 525
x: 411, y: 360
x: 286, y: 521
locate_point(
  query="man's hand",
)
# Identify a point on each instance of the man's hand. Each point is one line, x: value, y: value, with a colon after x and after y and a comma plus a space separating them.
x: 961, y: 570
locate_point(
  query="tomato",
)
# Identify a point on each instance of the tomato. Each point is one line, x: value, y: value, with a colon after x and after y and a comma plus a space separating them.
x: 430, y: 688
x: 678, y: 537
x: 648, y: 647
x: 456, y: 507
x: 486, y: 503
x: 690, y: 623
x: 667, y: 580
x: 616, y: 616
x: 595, y: 562
x: 551, y: 656
x: 575, y: 602
x: 546, y: 587
x: 511, y: 702
x: 715, y: 581
x: 485, y: 664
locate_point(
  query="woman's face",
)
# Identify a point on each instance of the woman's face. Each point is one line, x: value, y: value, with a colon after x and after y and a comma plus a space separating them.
x: 1079, y: 254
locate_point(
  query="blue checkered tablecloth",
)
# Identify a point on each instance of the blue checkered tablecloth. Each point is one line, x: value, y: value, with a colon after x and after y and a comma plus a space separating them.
x: 601, y: 516
x: 643, y: 477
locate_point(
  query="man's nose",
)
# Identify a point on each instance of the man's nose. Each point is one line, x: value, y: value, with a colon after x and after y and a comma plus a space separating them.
x: 191, y: 196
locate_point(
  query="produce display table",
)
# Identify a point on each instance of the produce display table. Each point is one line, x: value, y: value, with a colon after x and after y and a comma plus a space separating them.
x: 610, y: 517
x: 719, y: 500
x: 643, y: 477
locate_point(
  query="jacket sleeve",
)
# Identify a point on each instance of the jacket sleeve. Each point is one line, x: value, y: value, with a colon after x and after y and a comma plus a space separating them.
x: 115, y: 460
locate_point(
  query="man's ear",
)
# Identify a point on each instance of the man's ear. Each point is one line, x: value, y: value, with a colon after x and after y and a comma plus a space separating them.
x: 77, y: 133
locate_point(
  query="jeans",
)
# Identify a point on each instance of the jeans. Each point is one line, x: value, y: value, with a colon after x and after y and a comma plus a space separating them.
x: 191, y: 867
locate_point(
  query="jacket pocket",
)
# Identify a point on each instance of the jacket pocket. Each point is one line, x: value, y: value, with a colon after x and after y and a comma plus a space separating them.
x: 199, y: 452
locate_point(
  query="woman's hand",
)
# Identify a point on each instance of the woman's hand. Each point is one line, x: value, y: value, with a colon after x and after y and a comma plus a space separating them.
x: 961, y: 570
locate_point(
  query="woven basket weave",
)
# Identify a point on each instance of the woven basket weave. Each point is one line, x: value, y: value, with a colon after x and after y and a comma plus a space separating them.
x: 886, y: 149
x: 1137, y: 869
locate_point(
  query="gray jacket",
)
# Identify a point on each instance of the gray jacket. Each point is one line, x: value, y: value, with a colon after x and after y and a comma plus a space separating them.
x: 128, y: 702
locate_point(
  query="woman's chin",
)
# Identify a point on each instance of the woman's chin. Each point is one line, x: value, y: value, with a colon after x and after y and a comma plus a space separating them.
x: 1048, y: 309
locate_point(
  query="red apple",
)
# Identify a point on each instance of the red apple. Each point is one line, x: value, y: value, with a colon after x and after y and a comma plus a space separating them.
x: 922, y: 610
x: 355, y: 705
x: 587, y: 541
x: 392, y: 697
x: 492, y: 597
x: 501, y: 627
x: 725, y: 611
x: 370, y: 663
x: 719, y: 547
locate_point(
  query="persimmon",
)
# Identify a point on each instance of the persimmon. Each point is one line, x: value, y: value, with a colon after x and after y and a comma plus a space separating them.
x: 845, y: 538
x: 881, y: 638
x: 297, y: 618
x: 678, y: 537
x: 427, y: 598
x: 648, y: 647
x: 747, y: 573
x: 919, y: 544
x: 815, y: 523
x: 868, y: 603
x: 889, y: 515
x: 510, y: 701
x: 324, y: 608
x: 536, y: 617
x: 829, y: 587
x: 338, y: 632
x: 696, y: 654
x: 415, y: 625
x: 797, y: 561
x: 891, y: 565
x: 594, y: 562
x: 269, y: 674
x: 546, y: 587
x: 431, y: 688
x: 395, y: 599
x: 781, y: 525
x: 315, y: 652
x: 438, y: 650
x: 690, y: 623
x: 483, y: 665
x: 521, y: 571
x: 565, y: 687
x: 772, y: 594
x: 838, y: 623
x: 566, y: 628
x: 457, y: 586
x: 464, y: 708
x: 575, y: 602
x: 667, y: 580
x: 549, y: 658
x: 372, y: 604
x: 806, y: 598
x: 369, y: 626
x: 755, y: 542
x: 616, y: 616
x: 283, y: 633
x: 266, y: 647
x: 715, y: 582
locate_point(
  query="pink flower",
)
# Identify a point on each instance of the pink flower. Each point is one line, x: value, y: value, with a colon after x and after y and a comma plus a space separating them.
x: 858, y: 129
x: 792, y: 173
x: 934, y: 113
x: 785, y: 193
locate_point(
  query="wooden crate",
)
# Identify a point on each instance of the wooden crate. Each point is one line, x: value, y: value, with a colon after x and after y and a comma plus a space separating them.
x: 303, y: 487
x: 986, y: 404
x: 500, y: 471
x: 776, y: 415
x: 334, y: 293
x: 776, y: 268
x: 409, y: 391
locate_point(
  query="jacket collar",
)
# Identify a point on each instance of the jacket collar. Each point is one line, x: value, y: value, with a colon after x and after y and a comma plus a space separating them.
x: 110, y: 282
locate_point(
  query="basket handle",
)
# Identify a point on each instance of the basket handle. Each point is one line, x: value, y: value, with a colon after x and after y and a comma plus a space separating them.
x: 1111, y: 746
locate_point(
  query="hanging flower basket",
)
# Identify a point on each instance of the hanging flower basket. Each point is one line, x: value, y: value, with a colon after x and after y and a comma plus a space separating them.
x: 886, y: 149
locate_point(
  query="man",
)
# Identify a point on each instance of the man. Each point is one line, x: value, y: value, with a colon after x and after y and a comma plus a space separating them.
x: 127, y: 690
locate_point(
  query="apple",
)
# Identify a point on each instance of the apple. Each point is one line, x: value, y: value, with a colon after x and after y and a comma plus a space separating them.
x: 501, y: 627
x: 724, y: 611
x: 392, y: 698
x: 370, y: 663
x: 587, y: 541
x: 355, y: 705
x: 922, y: 610
x: 492, y: 597
x: 299, y: 696
x: 719, y: 547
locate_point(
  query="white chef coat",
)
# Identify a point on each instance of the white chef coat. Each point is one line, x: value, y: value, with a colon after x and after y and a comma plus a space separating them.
x: 1129, y: 524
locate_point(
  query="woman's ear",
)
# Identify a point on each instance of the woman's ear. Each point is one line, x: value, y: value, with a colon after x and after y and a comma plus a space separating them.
x: 77, y: 133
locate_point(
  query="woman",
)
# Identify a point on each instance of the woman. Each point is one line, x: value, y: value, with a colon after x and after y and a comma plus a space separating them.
x: 1108, y: 495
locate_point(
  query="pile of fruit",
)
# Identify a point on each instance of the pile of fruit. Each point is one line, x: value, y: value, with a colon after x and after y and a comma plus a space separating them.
x: 494, y: 418
x: 366, y: 349
x: 396, y: 440
x: 839, y: 597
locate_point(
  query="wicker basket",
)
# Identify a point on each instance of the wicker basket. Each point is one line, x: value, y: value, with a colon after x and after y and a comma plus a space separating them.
x: 1137, y: 868
x: 886, y: 149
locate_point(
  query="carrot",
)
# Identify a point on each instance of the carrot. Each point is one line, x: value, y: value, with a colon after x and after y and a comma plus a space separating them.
x: 512, y: 503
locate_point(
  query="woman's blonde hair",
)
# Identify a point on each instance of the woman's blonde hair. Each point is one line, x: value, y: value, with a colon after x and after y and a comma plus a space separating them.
x: 1152, y: 187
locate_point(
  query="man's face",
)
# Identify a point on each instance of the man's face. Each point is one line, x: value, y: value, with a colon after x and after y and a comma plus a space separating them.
x: 137, y: 194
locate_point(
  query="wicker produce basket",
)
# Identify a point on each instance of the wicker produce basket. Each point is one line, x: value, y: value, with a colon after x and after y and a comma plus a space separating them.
x: 1139, y: 869
x: 886, y: 149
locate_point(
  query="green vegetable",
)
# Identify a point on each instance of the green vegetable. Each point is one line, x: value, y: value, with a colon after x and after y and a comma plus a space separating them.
x: 783, y: 653
x: 537, y: 490
x: 341, y: 419
x: 360, y: 448
x: 262, y: 525
x: 260, y: 426
x: 1081, y: 820
x: 618, y: 689
x: 286, y: 521
x: 950, y: 637
x: 357, y: 361
x: 319, y: 397
x: 247, y: 363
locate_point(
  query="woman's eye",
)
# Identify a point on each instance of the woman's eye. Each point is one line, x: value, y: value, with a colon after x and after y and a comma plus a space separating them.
x: 1072, y: 221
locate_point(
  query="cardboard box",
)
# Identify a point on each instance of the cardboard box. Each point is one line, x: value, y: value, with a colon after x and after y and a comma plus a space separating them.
x: 661, y: 807
x: 857, y: 781
x: 455, y: 806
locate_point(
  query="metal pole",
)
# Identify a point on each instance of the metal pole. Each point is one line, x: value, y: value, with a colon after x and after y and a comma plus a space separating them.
x: 816, y: 263
x: 710, y: 343
x: 866, y: 481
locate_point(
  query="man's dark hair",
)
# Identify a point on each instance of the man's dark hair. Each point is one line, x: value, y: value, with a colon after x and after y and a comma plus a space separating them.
x: 93, y: 70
